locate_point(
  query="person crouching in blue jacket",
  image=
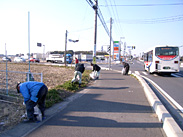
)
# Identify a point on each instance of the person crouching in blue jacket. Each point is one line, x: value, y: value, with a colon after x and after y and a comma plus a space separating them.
x: 34, y: 93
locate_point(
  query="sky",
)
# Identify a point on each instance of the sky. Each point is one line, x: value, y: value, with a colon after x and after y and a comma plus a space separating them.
x: 139, y: 23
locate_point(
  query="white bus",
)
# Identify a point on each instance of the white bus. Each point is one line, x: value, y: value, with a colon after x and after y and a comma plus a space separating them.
x: 162, y: 59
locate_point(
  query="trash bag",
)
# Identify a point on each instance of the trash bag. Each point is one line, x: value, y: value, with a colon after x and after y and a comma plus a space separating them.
x: 77, y: 79
x: 37, y: 113
x: 123, y: 71
x: 93, y: 75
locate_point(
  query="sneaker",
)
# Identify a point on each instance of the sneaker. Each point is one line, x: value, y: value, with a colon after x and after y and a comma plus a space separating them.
x: 30, y: 120
x: 43, y: 118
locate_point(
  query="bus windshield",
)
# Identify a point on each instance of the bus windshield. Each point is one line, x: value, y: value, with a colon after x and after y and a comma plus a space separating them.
x: 166, y: 51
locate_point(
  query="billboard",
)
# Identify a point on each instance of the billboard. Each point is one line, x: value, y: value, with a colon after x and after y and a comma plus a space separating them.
x: 116, y: 50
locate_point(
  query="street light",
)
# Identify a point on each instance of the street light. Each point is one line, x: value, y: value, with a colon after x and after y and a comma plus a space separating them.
x: 70, y: 40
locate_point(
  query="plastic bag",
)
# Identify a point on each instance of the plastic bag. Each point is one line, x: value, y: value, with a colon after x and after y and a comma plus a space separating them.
x: 123, y: 71
x: 93, y: 75
x: 38, y: 113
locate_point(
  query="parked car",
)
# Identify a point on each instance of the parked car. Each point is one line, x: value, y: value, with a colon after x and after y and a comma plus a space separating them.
x: 34, y: 60
x: 19, y: 59
x: 6, y: 59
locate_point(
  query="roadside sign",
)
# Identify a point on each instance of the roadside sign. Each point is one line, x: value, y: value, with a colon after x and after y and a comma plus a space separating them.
x: 129, y: 47
x: 39, y: 44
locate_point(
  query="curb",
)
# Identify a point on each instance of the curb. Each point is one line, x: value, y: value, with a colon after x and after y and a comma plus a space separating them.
x: 170, y: 127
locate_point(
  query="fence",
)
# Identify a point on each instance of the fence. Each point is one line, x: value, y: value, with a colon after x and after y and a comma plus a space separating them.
x: 9, y: 80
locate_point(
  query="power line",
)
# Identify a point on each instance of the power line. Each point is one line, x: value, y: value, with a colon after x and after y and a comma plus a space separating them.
x: 103, y: 21
x: 85, y: 29
x: 99, y: 14
x: 154, y: 20
x: 90, y: 3
x: 119, y: 25
x: 114, y: 16
x: 170, y: 4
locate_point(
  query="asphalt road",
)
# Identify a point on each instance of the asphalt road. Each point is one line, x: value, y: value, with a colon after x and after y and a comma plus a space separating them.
x: 172, y: 85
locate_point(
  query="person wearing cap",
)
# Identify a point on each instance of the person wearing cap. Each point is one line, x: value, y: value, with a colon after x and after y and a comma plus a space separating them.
x: 34, y: 93
x: 97, y: 69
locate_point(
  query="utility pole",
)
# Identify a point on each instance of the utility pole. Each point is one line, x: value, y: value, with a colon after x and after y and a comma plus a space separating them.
x: 6, y: 70
x: 95, y: 7
x: 29, y: 38
x: 110, y: 43
x: 122, y: 43
x: 43, y: 52
x: 65, y: 48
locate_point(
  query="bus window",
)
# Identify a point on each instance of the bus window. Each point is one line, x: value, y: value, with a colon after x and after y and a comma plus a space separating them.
x: 150, y: 56
x: 166, y: 51
x: 145, y: 56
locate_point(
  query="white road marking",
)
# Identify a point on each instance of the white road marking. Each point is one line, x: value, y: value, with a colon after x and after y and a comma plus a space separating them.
x: 136, y: 72
x: 164, y: 93
x: 177, y: 75
x: 145, y: 73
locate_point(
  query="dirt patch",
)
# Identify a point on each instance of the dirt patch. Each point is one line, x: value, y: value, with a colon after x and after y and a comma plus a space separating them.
x: 52, y: 75
x: 11, y: 111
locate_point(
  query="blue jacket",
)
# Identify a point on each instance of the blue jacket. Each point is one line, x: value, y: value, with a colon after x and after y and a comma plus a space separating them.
x: 30, y: 90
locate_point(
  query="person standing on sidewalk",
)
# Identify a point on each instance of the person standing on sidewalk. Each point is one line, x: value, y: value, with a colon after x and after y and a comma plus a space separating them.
x: 97, y: 69
x: 126, y: 67
x: 34, y: 93
x: 79, y: 69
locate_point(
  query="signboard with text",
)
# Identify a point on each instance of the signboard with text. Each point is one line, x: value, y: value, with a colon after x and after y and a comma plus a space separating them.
x: 116, y: 50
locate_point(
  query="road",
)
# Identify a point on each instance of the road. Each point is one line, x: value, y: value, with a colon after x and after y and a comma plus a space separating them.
x: 171, y: 85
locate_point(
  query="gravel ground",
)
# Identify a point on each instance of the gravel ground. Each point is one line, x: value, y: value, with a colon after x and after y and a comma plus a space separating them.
x: 11, y: 112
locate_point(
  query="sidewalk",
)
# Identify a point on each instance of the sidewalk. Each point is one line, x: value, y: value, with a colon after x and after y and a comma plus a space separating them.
x: 114, y: 106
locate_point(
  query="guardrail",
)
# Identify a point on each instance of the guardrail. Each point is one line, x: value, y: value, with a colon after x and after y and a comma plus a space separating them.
x: 9, y: 80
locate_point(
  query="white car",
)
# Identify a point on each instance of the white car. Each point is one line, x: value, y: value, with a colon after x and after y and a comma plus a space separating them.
x: 6, y: 59
x: 19, y: 59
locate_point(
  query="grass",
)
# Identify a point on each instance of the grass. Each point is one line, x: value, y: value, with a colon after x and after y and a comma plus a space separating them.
x: 52, y: 97
x: 54, y: 94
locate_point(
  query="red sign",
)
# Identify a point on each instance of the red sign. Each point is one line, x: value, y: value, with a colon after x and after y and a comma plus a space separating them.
x: 116, y: 49
x: 166, y: 57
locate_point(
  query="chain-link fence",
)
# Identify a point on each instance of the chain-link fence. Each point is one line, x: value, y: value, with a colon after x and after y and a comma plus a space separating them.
x: 9, y: 80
